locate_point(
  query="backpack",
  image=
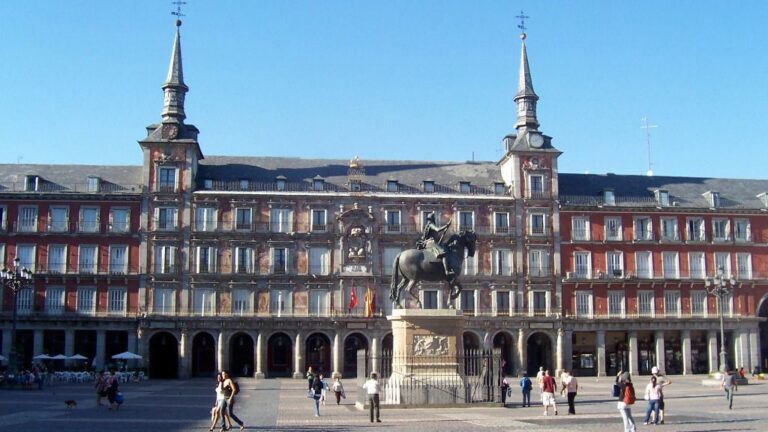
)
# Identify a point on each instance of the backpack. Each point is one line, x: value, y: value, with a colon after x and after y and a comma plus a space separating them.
x: 629, y: 394
x: 235, y: 388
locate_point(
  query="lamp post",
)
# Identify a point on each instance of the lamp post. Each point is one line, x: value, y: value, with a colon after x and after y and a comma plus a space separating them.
x: 721, y: 287
x: 16, y: 279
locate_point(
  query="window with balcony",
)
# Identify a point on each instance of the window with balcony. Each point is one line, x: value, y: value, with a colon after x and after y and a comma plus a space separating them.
x: 241, y: 302
x: 116, y: 300
x: 86, y: 260
x: 580, y: 228
x: 3, y: 213
x: 502, y: 303
x: 86, y: 300
x: 204, y: 302
x: 119, y: 220
x: 58, y: 219
x: 470, y: 264
x: 699, y: 303
x: 539, y: 306
x: 243, y: 219
x: 672, y: 303
x: 536, y: 224
x: 166, y: 218
x: 319, y: 302
x: 695, y: 230
x: 319, y: 260
x: 466, y: 220
x: 670, y: 263
x: 584, y: 304
x: 26, y: 256
x: 57, y: 259
x: 723, y: 262
x: 643, y: 265
x: 388, y: 259
x: 205, y: 219
x: 616, y: 304
x: 424, y: 214
x: 614, y: 264
x: 741, y: 230
x: 165, y: 259
x: 205, y: 259
x: 2, y: 255
x: 89, y: 219
x: 166, y: 179
x: 244, y: 260
x: 118, y: 259
x: 392, y: 221
x: 467, y: 301
x: 54, y: 300
x: 721, y: 230
x: 429, y: 299
x: 726, y: 306
x: 643, y: 229
x: 25, y: 301
x: 280, y: 301
x: 536, y: 187
x: 318, y: 220
x: 744, y: 265
x: 502, y: 262
x: 279, y: 260
x: 582, y: 264
x: 538, y: 263
x: 669, y: 229
x: 281, y: 220
x: 501, y: 222
x: 613, y: 228
x: 696, y: 265
x: 27, y: 219
x: 645, y: 303
x: 163, y: 301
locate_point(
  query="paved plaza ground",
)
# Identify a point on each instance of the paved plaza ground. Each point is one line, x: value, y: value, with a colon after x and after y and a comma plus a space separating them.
x: 281, y: 405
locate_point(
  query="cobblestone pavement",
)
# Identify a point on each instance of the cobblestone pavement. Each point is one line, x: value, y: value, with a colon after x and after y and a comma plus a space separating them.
x: 281, y: 405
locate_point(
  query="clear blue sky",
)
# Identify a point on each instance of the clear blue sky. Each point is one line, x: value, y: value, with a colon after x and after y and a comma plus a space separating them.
x: 395, y: 79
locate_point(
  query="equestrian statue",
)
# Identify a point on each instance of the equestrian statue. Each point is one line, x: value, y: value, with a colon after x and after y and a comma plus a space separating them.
x: 433, y: 260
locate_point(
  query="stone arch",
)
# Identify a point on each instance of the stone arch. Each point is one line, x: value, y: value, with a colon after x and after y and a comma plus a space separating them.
x: 539, y: 353
x: 203, y: 355
x: 163, y: 355
x: 352, y: 343
x: 762, y: 312
x: 505, y: 342
x: 241, y: 359
x: 471, y: 340
x: 279, y: 355
x: 317, y: 353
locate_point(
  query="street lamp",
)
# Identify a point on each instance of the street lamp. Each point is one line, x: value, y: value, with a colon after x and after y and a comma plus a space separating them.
x: 721, y: 287
x: 16, y: 279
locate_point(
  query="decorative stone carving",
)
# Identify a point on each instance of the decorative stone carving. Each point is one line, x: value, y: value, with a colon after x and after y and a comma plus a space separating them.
x: 428, y: 345
x: 357, y: 226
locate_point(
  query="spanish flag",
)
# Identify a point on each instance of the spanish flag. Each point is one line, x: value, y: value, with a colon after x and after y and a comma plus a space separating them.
x: 370, y: 300
x: 352, y: 300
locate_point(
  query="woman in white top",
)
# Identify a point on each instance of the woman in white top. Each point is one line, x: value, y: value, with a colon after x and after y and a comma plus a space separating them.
x: 652, y: 395
x: 219, y: 409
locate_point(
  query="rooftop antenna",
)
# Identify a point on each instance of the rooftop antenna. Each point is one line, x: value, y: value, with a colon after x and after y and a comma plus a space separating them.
x: 522, y: 17
x: 648, y: 128
x: 177, y: 12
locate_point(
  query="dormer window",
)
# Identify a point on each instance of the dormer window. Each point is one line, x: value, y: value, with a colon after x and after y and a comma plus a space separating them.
x: 318, y: 184
x: 355, y: 185
x: 92, y: 183
x: 244, y: 184
x: 392, y: 186
x: 464, y: 187
x: 763, y: 197
x: 31, y: 182
x: 280, y: 182
x: 609, y: 198
x: 662, y: 197
x: 428, y: 186
x: 713, y: 198
x: 208, y: 184
x: 498, y: 188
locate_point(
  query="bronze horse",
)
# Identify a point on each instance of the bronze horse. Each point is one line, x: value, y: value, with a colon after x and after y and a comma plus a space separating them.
x: 416, y: 265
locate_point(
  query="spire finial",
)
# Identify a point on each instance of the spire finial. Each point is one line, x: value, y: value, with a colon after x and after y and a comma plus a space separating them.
x: 174, y: 87
x: 522, y: 26
x: 177, y: 12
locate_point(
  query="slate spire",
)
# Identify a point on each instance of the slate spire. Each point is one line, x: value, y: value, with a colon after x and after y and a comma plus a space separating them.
x: 525, y: 98
x: 174, y: 88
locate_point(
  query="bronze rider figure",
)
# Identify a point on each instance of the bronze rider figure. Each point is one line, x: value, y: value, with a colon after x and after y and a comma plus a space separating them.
x: 436, y: 234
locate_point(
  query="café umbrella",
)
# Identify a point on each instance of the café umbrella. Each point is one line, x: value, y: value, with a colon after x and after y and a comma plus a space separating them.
x: 42, y: 357
x: 78, y: 357
x: 126, y: 356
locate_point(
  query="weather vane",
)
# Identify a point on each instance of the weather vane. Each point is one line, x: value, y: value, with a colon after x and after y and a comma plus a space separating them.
x: 177, y: 12
x: 522, y: 17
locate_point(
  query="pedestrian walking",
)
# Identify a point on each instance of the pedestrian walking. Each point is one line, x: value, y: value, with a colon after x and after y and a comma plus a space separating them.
x: 540, y: 378
x: 525, y: 387
x: 504, y: 389
x: 652, y: 391
x: 100, y: 385
x: 338, y: 390
x: 570, y: 386
x: 317, y: 391
x: 729, y: 385
x: 219, y: 410
x: 231, y: 389
x: 664, y: 381
x: 548, y: 389
x: 626, y: 400
x: 372, y: 388
x: 324, y: 392
x: 310, y: 378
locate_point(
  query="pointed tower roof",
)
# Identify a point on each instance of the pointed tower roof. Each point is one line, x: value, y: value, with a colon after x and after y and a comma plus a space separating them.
x: 526, y: 97
x: 174, y: 87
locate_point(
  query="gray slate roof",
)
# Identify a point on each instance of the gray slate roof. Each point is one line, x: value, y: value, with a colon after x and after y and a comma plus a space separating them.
x: 71, y: 178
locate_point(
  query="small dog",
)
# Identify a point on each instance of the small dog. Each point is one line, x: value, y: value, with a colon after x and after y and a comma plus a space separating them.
x: 69, y: 403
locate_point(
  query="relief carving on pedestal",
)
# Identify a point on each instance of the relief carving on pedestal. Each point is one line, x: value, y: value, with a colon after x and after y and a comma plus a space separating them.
x: 426, y: 345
